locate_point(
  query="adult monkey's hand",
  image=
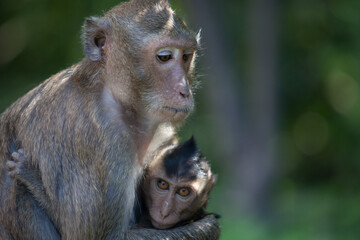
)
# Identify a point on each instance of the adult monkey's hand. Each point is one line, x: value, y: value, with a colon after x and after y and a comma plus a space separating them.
x: 206, y: 228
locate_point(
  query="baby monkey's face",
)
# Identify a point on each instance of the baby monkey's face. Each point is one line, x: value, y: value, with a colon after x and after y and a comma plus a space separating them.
x: 172, y: 200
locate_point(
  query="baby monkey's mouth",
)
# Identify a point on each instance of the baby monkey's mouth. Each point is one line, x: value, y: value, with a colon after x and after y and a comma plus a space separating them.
x: 176, y: 110
x: 161, y: 224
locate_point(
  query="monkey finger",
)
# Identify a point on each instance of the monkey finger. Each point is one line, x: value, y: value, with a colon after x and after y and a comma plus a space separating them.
x: 11, y: 165
x: 13, y: 174
x: 17, y: 157
x: 13, y: 169
x: 217, y: 216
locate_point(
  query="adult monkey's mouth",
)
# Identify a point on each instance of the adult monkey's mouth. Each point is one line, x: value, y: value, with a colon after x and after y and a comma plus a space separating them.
x: 176, y: 110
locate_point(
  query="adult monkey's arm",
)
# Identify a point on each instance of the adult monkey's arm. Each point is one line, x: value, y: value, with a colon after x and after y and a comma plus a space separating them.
x: 206, y: 228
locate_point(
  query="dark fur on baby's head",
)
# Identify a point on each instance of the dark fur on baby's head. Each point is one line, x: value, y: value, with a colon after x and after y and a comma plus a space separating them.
x: 186, y: 161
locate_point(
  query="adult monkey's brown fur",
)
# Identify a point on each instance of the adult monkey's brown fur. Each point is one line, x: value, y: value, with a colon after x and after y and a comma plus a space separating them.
x: 87, y: 129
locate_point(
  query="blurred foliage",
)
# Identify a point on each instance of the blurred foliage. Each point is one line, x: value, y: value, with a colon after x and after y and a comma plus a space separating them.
x: 316, y: 194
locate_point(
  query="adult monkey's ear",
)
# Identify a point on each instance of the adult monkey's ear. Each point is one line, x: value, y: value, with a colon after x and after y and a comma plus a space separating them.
x: 95, y: 38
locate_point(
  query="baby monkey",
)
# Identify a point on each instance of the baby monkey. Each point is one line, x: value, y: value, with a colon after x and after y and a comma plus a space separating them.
x: 175, y: 188
x: 177, y: 185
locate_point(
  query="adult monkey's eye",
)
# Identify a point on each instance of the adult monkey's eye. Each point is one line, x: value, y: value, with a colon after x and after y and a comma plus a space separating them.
x: 164, y: 56
x: 162, y: 184
x: 184, y: 192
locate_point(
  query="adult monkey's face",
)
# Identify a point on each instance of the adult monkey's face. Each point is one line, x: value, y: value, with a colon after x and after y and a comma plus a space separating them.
x: 151, y: 54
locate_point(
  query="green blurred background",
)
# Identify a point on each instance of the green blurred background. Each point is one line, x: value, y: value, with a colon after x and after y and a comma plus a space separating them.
x: 278, y: 113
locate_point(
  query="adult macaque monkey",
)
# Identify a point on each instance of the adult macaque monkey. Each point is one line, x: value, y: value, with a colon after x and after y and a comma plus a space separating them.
x: 87, y: 129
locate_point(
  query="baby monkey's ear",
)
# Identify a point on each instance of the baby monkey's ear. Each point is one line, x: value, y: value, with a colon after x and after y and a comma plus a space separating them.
x: 210, y: 185
x: 213, y: 180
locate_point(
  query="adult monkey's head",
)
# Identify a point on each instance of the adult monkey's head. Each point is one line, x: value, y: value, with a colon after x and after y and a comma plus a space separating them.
x: 147, y: 57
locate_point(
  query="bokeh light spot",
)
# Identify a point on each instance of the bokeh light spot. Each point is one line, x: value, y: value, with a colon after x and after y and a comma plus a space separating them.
x: 342, y: 92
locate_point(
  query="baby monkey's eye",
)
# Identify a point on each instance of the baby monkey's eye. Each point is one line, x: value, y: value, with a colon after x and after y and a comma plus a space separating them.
x: 164, y: 56
x: 184, y: 192
x: 162, y: 184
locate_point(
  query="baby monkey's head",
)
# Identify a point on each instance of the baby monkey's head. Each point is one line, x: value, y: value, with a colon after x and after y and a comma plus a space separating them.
x: 177, y: 185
